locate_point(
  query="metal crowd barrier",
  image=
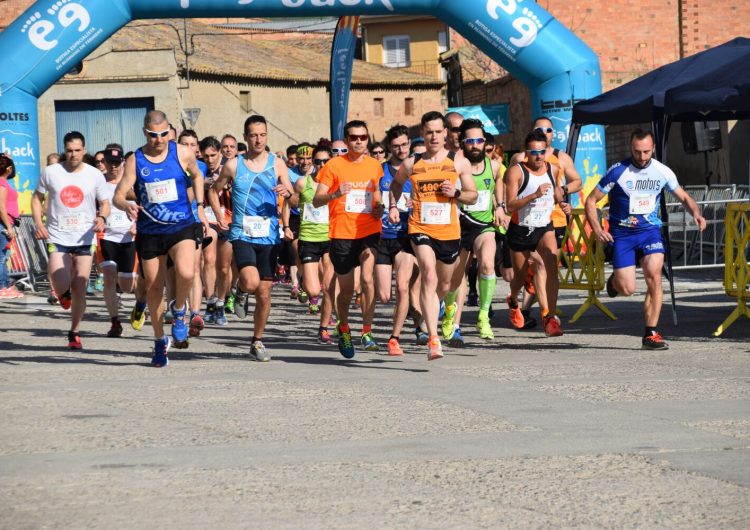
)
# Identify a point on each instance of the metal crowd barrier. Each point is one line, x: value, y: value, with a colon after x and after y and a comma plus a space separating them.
x: 29, y: 265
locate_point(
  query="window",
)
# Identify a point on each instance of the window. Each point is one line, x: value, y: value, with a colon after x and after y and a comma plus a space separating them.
x: 378, y: 107
x: 396, y: 51
x: 409, y: 106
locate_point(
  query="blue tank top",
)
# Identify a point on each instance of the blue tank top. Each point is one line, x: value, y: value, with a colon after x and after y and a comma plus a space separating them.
x: 161, y: 191
x: 255, y: 217
x: 390, y: 230
x: 294, y: 176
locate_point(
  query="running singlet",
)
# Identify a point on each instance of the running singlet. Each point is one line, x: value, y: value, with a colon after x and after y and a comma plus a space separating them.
x: 294, y: 176
x: 559, y: 219
x: 390, y: 230
x: 255, y: 218
x: 483, y: 210
x: 351, y: 214
x: 161, y: 191
x: 118, y: 224
x: 314, y: 224
x: 538, y: 212
x: 433, y: 214
x: 634, y: 193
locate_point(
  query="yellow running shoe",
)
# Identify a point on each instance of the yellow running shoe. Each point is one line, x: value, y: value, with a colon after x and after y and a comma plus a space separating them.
x: 485, y: 329
x: 446, y: 326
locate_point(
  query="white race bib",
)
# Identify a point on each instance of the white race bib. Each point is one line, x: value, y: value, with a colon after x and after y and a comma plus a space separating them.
x: 72, y: 222
x: 482, y: 204
x: 400, y: 205
x: 118, y: 219
x: 256, y: 226
x: 162, y: 191
x: 315, y: 215
x: 642, y: 203
x: 436, y: 213
x: 359, y: 201
x: 210, y: 215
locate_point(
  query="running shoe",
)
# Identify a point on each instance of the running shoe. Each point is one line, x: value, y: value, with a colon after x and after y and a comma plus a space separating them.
x: 654, y: 342
x: 161, y: 349
x: 99, y: 284
x: 168, y: 317
x: 74, y: 341
x: 346, y: 348
x: 115, y: 330
x: 52, y: 298
x: 529, y: 285
x: 13, y: 290
x: 394, y: 348
x: 295, y: 293
x: 89, y: 288
x: 258, y: 352
x: 484, y: 328
x: 240, y: 303
x: 368, y: 342
x: 441, y: 311
x: 357, y: 300
x: 528, y: 321
x: 456, y: 340
x: 10, y: 292
x: 196, y: 325
x: 472, y: 300
x: 313, y: 309
x: 209, y: 315
x: 514, y: 315
x: 302, y: 296
x: 611, y: 291
x: 552, y: 327
x: 324, y: 336
x: 220, y: 319
x: 332, y: 321
x: 66, y: 300
x: 436, y: 349
x: 137, y: 316
x: 446, y: 325
x: 422, y: 337
x: 179, y: 329
x: 229, y: 303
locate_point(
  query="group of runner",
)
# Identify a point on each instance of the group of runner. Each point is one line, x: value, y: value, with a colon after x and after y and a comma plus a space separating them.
x: 208, y: 224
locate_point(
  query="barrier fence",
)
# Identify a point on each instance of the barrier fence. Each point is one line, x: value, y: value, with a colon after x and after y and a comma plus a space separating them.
x: 737, y: 263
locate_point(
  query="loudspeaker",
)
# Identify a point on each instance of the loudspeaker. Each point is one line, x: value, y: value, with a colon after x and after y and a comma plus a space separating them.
x: 701, y: 136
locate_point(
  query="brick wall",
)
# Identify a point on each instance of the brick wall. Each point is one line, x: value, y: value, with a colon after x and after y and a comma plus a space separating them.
x: 11, y: 10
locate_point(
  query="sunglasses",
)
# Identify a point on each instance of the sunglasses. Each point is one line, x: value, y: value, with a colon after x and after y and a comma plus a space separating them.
x: 456, y: 129
x: 473, y: 141
x: 360, y: 137
x: 157, y: 134
x: 320, y: 161
x: 544, y: 129
x: 536, y: 152
x: 378, y: 152
x: 99, y: 160
x: 340, y: 150
x: 489, y: 149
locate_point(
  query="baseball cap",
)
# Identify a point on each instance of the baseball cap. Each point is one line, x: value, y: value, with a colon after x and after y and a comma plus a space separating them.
x: 113, y: 155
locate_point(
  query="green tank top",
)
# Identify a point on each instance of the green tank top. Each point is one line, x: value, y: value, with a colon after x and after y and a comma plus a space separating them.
x: 483, y: 210
x: 314, y: 221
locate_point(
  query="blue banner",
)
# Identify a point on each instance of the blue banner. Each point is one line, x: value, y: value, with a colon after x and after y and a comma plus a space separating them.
x: 342, y: 60
x: 495, y: 118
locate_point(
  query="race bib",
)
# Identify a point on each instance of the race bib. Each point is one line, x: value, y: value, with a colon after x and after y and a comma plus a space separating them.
x: 359, y: 201
x: 118, y: 219
x: 539, y: 212
x: 436, y: 213
x: 400, y: 205
x: 315, y: 215
x: 482, y: 204
x: 642, y: 203
x: 256, y: 226
x: 72, y: 222
x: 162, y: 191
x: 210, y: 215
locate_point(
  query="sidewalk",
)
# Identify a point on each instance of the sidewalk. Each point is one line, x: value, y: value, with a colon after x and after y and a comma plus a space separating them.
x: 584, y: 430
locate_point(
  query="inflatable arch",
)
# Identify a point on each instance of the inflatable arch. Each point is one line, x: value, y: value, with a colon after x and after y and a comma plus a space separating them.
x: 53, y: 35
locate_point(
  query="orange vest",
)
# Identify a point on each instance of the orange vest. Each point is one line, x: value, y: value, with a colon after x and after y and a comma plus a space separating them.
x: 433, y: 213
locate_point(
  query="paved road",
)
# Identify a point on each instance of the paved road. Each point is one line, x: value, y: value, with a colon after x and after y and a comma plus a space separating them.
x: 584, y: 430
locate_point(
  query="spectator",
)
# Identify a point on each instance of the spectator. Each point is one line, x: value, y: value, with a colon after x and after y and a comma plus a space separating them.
x: 9, y: 218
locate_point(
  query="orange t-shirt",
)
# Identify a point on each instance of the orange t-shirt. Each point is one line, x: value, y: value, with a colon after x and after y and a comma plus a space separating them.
x: 350, y: 216
x: 433, y: 214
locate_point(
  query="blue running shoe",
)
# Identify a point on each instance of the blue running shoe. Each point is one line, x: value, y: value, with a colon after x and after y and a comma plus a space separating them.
x: 179, y: 329
x: 368, y: 342
x: 457, y: 340
x: 220, y: 319
x: 441, y: 312
x: 209, y: 315
x: 161, y: 348
x: 422, y: 337
x: 346, y: 348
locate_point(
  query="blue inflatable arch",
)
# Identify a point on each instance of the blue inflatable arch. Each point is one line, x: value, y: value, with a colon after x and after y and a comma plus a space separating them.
x: 53, y: 35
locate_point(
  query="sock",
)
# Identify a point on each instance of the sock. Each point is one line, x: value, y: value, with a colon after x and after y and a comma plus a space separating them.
x: 649, y: 331
x: 72, y: 335
x: 545, y: 312
x: 450, y: 298
x: 220, y: 303
x: 512, y: 302
x: 366, y: 328
x: 114, y: 320
x: 212, y: 300
x: 486, y: 292
x: 314, y: 300
x: 393, y: 337
x: 178, y: 313
x: 321, y: 329
x: 344, y: 328
x: 140, y: 306
x: 255, y: 339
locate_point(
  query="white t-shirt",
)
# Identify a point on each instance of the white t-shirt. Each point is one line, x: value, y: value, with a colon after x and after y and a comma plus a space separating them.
x: 71, y: 199
x: 118, y: 224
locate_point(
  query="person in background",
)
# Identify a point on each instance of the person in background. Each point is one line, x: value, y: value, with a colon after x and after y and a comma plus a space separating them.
x: 377, y: 151
x: 53, y: 158
x: 8, y: 217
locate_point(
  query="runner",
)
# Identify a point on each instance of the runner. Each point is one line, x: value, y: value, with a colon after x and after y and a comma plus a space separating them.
x: 531, y: 194
x: 291, y: 219
x: 479, y: 223
x: 395, y: 255
x: 256, y: 179
x: 228, y: 147
x: 72, y: 189
x: 433, y: 222
x: 165, y: 222
x: 634, y: 186
x: 349, y: 185
x: 116, y: 250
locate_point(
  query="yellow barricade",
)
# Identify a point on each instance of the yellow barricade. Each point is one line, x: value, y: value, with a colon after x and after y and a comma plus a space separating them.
x: 736, y: 264
x: 581, y: 264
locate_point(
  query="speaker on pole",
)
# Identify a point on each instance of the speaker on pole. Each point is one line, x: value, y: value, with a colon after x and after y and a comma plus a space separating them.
x: 701, y: 136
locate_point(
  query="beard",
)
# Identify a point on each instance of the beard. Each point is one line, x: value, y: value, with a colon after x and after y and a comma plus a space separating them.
x: 474, y: 156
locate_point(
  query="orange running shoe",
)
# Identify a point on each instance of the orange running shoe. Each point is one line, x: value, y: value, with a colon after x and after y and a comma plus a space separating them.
x: 552, y: 326
x: 394, y: 348
x: 515, y: 315
x: 65, y: 300
x: 436, y: 349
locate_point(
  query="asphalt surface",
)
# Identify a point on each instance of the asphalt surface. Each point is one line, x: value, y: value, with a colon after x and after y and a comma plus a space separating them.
x: 585, y: 430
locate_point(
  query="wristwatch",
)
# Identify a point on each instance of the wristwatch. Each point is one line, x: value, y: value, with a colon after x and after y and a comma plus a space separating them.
x: 457, y: 193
